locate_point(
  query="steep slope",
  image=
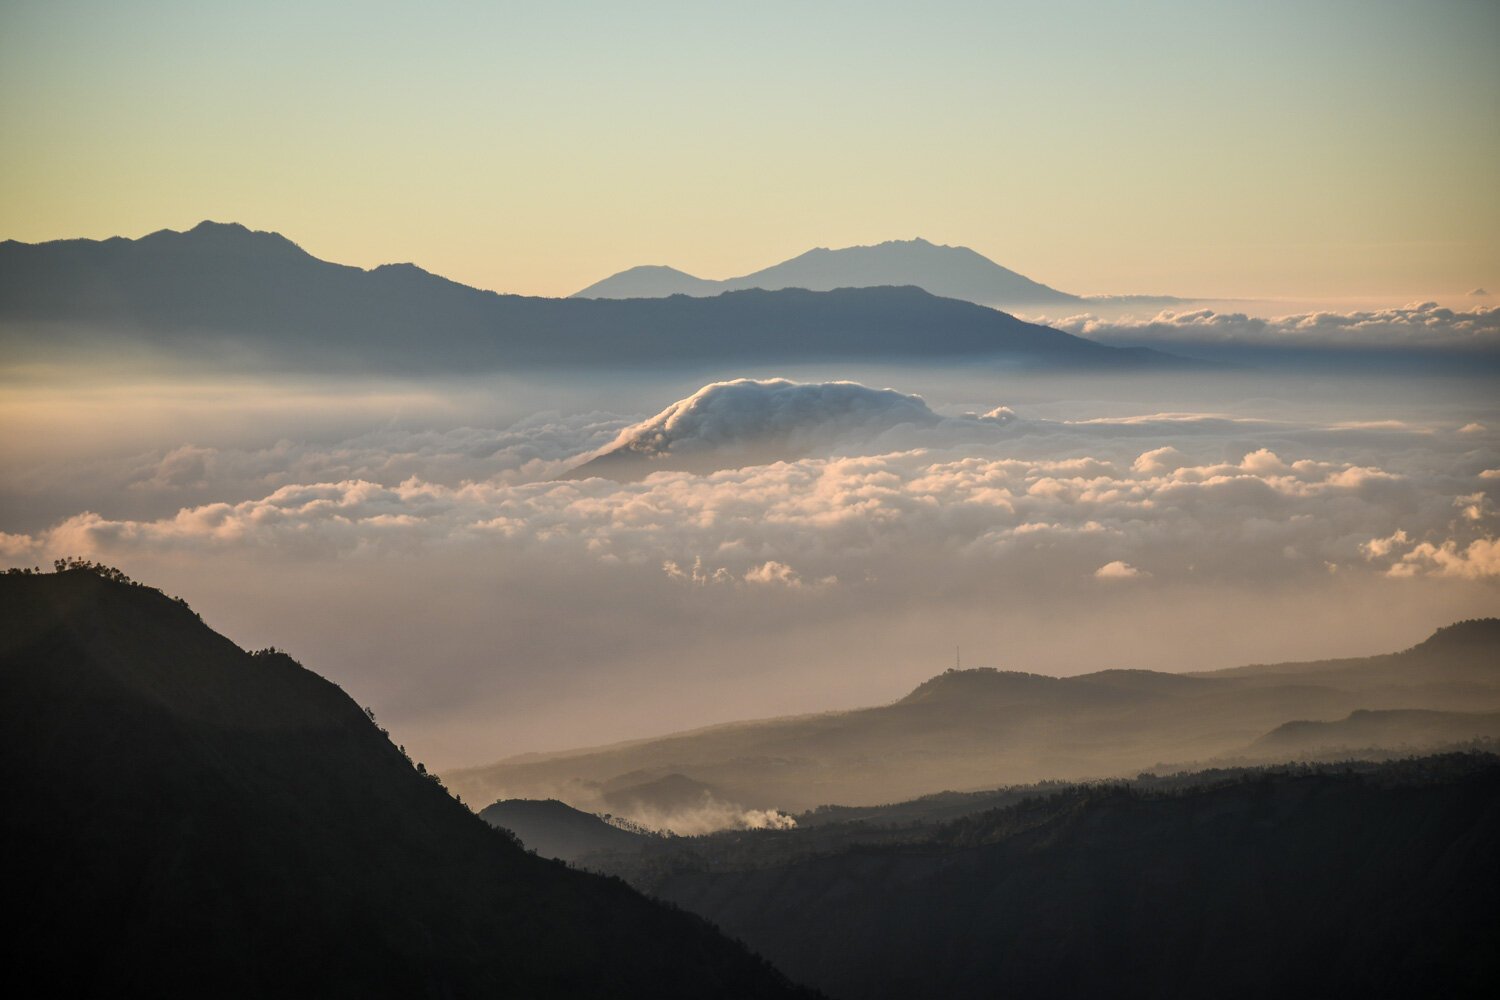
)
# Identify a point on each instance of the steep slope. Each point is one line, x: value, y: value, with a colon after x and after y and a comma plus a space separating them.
x: 977, y: 729
x: 221, y: 294
x: 952, y: 272
x: 1380, y: 882
x: 184, y: 818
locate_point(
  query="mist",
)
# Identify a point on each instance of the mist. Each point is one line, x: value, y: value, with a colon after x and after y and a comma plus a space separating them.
x: 413, y: 541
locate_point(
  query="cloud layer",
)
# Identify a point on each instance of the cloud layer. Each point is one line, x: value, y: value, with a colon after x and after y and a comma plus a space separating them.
x: 1422, y: 326
x: 469, y: 594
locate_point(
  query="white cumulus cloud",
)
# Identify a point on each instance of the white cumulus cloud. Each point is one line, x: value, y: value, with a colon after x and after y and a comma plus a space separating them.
x: 1425, y: 325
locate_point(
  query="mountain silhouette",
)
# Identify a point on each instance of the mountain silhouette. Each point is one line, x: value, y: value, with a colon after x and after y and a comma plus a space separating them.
x: 952, y: 272
x: 222, y: 295
x: 974, y: 729
x: 556, y: 830
x: 653, y: 281
x: 184, y: 818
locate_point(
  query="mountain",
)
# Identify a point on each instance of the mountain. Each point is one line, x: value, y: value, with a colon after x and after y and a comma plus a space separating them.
x: 752, y: 422
x: 976, y: 729
x: 952, y: 272
x: 1395, y: 727
x: 184, y: 818
x: 556, y: 830
x: 1355, y: 879
x: 221, y: 295
x: 652, y: 281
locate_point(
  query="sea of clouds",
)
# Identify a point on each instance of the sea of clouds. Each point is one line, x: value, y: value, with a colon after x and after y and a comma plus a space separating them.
x: 1421, y: 326
x: 485, y: 605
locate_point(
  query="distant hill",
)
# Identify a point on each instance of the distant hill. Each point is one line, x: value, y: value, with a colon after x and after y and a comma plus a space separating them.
x: 651, y: 281
x: 183, y: 818
x: 222, y: 295
x: 976, y: 729
x: 952, y: 272
x: 1351, y: 880
x: 1393, y: 727
x: 556, y: 830
x: 749, y: 422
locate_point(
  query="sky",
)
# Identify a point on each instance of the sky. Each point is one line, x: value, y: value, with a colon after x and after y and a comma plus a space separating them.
x: 1279, y: 150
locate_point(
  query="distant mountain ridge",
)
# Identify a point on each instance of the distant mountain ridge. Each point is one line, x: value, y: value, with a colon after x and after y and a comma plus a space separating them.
x: 949, y: 271
x: 980, y: 728
x: 222, y: 294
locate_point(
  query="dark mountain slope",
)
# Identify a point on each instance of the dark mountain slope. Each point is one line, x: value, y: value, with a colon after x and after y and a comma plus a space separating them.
x: 183, y: 818
x: 1384, y: 883
x: 221, y: 293
x: 556, y: 830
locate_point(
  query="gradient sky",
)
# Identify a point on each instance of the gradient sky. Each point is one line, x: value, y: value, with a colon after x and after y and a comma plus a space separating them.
x: 1259, y: 149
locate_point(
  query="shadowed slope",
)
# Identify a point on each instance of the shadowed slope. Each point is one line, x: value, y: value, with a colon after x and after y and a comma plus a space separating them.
x: 184, y: 818
x: 1381, y: 881
x: 556, y: 830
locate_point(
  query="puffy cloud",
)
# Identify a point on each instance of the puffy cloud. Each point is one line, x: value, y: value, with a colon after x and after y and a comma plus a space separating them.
x: 1118, y: 570
x: 1425, y: 325
x: 1377, y: 548
x: 1479, y: 559
x: 774, y: 572
x: 1475, y: 506
x: 790, y: 524
x: 21, y: 550
x: 1473, y: 427
x: 1165, y: 459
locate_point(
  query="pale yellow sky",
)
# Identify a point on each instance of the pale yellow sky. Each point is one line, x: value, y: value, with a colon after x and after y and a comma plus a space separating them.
x: 1326, y: 150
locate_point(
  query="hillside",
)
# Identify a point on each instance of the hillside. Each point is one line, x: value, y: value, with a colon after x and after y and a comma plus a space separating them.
x: 952, y: 272
x: 184, y: 818
x: 1367, y: 880
x: 1396, y: 727
x: 977, y: 729
x: 556, y: 830
x: 221, y: 294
